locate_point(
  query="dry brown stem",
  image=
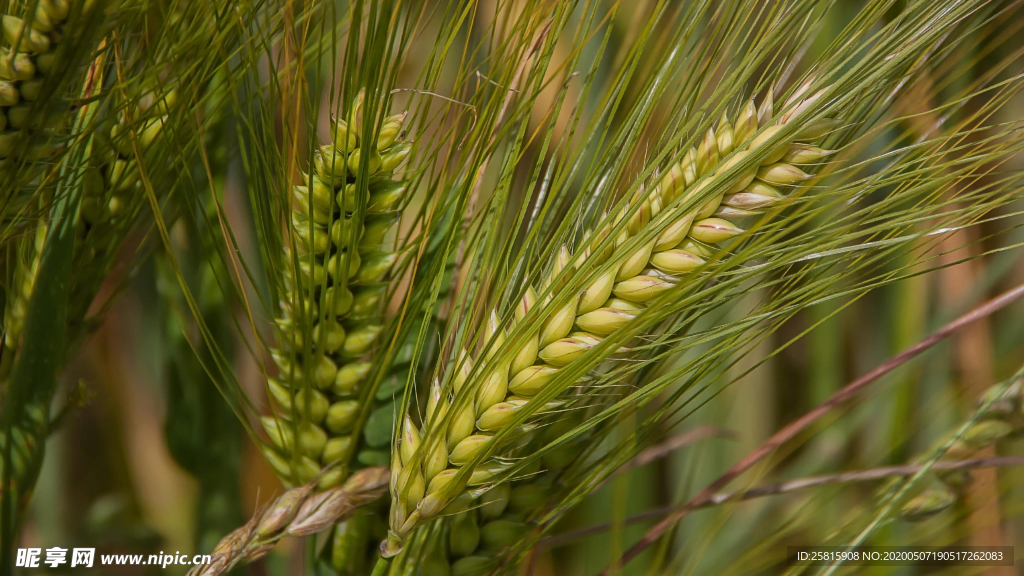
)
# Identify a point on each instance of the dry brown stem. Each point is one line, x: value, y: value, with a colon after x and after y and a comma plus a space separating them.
x: 298, y: 512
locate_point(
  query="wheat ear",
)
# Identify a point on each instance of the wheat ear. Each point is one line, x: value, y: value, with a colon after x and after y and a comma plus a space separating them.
x: 429, y: 459
x: 33, y: 40
x: 1001, y: 416
x: 342, y: 261
x: 300, y: 511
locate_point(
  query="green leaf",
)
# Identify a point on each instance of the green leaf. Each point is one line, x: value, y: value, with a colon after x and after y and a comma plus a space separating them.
x: 379, y: 426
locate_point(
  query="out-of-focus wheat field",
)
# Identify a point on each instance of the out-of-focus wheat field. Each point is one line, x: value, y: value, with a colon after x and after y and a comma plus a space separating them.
x: 119, y: 478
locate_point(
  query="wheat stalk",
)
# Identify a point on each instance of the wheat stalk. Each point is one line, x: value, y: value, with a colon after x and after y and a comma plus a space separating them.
x: 425, y: 475
x: 300, y: 511
x: 341, y: 261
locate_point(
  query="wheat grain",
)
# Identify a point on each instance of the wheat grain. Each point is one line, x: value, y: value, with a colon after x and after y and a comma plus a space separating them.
x: 342, y: 261
x: 421, y: 489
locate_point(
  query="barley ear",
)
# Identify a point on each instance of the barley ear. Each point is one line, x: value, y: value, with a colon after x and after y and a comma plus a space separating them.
x: 335, y: 278
x: 507, y: 378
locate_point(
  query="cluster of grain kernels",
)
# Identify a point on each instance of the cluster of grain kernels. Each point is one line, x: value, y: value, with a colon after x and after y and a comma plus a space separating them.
x: 112, y: 185
x: 428, y: 460
x: 342, y: 263
x: 355, y: 540
x: 33, y: 40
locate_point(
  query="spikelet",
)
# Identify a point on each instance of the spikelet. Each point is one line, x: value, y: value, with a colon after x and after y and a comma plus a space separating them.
x: 608, y: 304
x: 335, y: 281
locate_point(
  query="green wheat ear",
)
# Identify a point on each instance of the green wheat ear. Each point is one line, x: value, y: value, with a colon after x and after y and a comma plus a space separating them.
x: 426, y: 478
x: 341, y: 263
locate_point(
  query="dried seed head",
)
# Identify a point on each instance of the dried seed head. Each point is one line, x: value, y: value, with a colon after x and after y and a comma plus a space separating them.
x: 281, y: 512
x: 310, y: 518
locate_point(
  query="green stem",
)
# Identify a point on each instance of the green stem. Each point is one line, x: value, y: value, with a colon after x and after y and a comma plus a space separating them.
x: 311, y: 568
x: 381, y: 567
